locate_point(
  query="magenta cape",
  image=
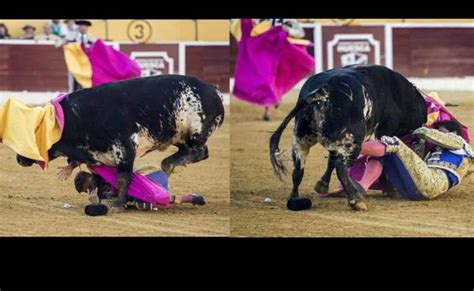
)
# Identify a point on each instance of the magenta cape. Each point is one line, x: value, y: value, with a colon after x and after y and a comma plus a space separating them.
x: 432, y: 106
x: 58, y: 110
x: 140, y: 187
x: 268, y: 65
x: 109, y: 64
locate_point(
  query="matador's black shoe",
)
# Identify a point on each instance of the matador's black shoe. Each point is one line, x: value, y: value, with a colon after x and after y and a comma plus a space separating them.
x: 198, y: 199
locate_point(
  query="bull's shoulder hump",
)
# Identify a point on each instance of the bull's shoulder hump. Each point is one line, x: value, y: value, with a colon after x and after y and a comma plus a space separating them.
x: 138, y: 87
x: 371, y: 69
x: 323, y: 78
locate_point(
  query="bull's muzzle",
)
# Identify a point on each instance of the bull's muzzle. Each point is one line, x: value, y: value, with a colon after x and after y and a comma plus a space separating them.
x: 24, y: 161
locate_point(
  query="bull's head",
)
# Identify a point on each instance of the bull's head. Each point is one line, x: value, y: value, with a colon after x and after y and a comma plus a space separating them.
x: 24, y: 161
x: 338, y: 112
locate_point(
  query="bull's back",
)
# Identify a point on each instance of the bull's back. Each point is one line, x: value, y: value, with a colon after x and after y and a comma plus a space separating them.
x: 399, y: 106
x: 113, y: 110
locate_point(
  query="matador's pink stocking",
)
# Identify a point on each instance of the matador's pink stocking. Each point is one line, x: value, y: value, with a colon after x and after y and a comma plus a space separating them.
x: 374, y: 168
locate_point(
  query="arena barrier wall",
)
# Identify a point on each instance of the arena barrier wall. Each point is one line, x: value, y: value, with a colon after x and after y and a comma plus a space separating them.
x: 31, y: 69
x: 433, y: 56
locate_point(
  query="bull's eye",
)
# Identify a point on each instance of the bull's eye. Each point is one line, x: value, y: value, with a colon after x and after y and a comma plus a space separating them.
x: 319, y: 103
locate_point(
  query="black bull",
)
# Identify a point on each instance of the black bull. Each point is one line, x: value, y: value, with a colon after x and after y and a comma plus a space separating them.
x: 114, y: 123
x: 342, y: 108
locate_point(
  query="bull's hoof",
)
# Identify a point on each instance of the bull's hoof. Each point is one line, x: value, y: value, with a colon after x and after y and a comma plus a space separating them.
x: 297, y: 204
x: 360, y: 191
x: 321, y: 187
x: 358, y: 205
x: 166, y: 168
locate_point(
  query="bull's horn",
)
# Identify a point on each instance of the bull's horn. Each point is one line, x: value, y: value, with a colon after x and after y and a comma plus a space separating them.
x: 349, y: 95
x: 316, y: 94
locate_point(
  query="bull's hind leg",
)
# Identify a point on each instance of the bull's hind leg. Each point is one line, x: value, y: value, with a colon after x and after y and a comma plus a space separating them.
x: 322, y: 186
x: 299, y: 155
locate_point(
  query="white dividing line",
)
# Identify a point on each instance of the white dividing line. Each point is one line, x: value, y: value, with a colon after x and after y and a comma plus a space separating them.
x: 446, y: 84
x: 388, y: 46
x: 226, y: 98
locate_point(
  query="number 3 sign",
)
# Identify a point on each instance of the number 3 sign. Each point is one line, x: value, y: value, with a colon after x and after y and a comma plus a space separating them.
x: 139, y: 31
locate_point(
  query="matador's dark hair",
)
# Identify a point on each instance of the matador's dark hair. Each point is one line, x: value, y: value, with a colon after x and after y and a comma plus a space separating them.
x: 450, y: 125
x: 79, y: 180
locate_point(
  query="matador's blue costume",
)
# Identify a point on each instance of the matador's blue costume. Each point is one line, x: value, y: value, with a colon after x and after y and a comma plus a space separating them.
x: 441, y: 169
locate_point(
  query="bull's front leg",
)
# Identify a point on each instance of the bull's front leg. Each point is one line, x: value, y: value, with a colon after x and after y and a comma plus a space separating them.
x: 125, y: 156
x: 355, y: 193
x: 299, y: 155
x: 179, y: 158
x: 322, y: 186
x: 185, y: 155
x: 123, y: 181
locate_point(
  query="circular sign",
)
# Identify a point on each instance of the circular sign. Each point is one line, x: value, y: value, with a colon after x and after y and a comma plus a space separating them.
x: 139, y: 31
x: 342, y: 21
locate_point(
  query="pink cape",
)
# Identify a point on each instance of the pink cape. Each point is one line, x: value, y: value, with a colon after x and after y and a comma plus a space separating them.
x: 433, y: 106
x: 59, y: 110
x: 59, y: 116
x: 140, y: 187
x: 109, y: 64
x: 268, y: 65
x: 357, y: 170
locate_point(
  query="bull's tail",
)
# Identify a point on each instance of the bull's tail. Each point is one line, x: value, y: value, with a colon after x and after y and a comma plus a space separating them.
x: 277, y: 164
x: 221, y: 97
x: 275, y: 154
